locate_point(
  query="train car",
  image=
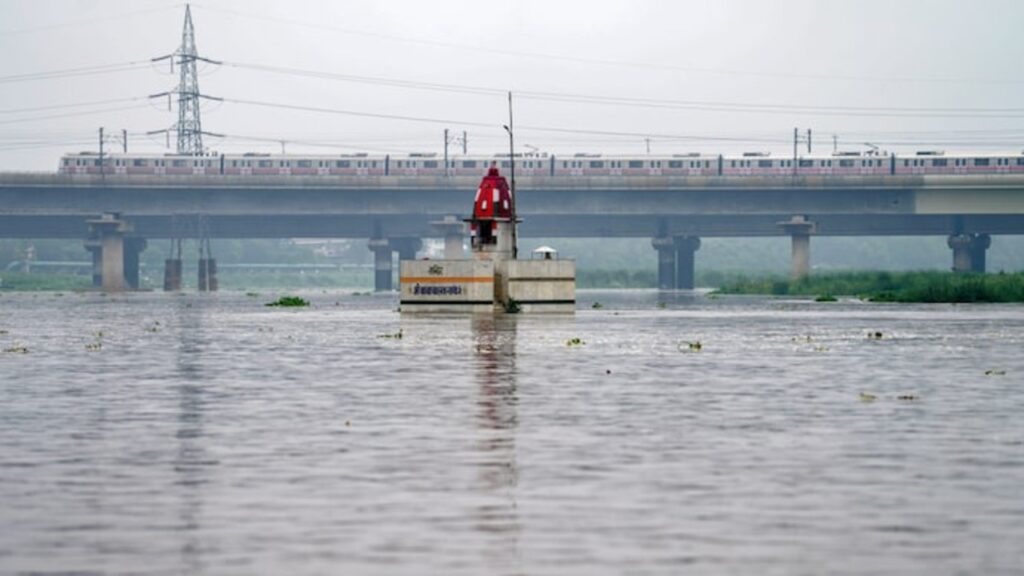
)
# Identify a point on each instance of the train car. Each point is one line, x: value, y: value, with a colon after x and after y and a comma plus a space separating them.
x: 596, y: 165
x: 938, y: 162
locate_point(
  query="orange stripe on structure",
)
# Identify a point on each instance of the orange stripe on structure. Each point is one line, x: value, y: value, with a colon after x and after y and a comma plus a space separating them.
x: 447, y: 280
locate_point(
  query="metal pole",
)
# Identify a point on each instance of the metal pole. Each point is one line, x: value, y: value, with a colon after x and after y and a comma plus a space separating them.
x: 512, y: 160
x: 808, y: 140
x: 464, y: 143
x: 102, y: 170
x: 796, y: 137
x: 124, y: 139
x: 446, y: 152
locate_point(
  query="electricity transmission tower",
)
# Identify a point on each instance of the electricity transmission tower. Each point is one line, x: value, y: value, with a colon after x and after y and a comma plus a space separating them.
x: 189, y: 127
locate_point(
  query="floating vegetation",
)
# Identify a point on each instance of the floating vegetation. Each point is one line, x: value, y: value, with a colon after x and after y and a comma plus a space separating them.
x: 876, y: 335
x: 597, y: 306
x: 925, y: 287
x: 396, y: 335
x: 512, y: 306
x: 662, y: 305
x: 252, y: 294
x: 695, y: 346
x: 18, y: 349
x: 908, y: 397
x: 94, y: 347
x: 289, y: 302
x: 574, y: 342
x: 826, y: 298
x: 995, y: 372
x: 867, y: 397
x: 821, y: 348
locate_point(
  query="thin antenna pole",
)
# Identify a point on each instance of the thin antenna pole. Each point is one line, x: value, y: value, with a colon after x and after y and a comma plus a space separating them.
x: 464, y: 143
x: 796, y: 138
x: 512, y: 160
x: 446, y: 152
x: 124, y: 139
x: 808, y: 140
x: 102, y: 162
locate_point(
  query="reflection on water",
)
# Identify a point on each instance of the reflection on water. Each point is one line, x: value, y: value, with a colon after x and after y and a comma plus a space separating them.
x: 210, y: 434
x: 495, y: 371
x: 191, y: 459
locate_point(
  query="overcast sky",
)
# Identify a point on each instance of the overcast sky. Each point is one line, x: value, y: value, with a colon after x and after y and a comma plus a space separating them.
x: 599, y: 76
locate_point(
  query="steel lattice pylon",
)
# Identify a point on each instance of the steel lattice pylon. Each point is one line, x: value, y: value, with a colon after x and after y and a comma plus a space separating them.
x: 190, y: 127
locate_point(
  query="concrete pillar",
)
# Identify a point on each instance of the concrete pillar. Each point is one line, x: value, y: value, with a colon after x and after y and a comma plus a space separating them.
x: 666, y: 262
x: 381, y: 249
x: 453, y: 232
x: 172, y: 275
x: 406, y: 247
x: 96, y: 251
x: 686, y: 252
x: 208, y: 275
x: 132, y: 248
x: 969, y: 252
x: 982, y: 242
x: 799, y: 229
x: 110, y: 229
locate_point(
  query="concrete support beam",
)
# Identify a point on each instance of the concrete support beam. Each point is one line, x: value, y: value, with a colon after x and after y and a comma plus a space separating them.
x: 453, y: 232
x: 969, y: 252
x: 665, y: 246
x: 133, y: 247
x: 406, y: 247
x: 172, y: 275
x: 799, y: 229
x: 207, y: 280
x: 381, y: 249
x: 96, y: 251
x: 686, y: 256
x: 110, y: 230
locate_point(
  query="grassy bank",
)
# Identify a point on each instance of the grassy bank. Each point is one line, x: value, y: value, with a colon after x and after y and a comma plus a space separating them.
x: 891, y: 286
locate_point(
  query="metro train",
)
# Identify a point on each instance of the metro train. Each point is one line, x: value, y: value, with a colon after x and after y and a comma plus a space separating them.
x: 577, y: 165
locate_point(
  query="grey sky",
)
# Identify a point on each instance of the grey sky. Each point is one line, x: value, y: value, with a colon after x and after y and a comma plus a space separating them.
x: 893, y: 61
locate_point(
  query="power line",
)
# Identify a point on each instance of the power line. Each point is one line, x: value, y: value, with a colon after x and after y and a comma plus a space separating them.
x: 81, y: 22
x: 462, y: 48
x: 65, y: 106
x: 73, y: 72
x: 699, y: 105
x: 73, y: 114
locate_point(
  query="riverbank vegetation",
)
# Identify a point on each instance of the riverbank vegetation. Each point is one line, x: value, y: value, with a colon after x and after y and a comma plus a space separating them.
x: 925, y: 287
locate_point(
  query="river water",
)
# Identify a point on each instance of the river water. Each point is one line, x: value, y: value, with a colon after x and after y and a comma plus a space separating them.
x: 183, y: 434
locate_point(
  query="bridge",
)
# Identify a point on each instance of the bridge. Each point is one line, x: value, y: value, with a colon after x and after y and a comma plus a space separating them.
x: 115, y: 215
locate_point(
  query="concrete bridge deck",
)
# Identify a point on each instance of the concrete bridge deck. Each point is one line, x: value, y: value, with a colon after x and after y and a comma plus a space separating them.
x: 399, y: 207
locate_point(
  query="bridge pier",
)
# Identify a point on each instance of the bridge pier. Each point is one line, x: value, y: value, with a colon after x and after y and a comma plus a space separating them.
x: 172, y: 275
x: 406, y: 247
x: 969, y: 252
x: 133, y: 247
x: 799, y: 229
x: 208, y: 275
x: 453, y: 232
x: 96, y: 251
x: 110, y: 230
x: 665, y: 245
x: 381, y: 249
x: 686, y: 256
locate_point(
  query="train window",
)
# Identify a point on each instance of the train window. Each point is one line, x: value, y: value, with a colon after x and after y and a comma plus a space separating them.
x: 732, y: 163
x: 596, y: 164
x: 178, y: 163
x: 472, y: 163
x: 764, y: 163
x: 264, y: 163
x: 1020, y: 161
x: 430, y: 163
x: 304, y: 163
x: 939, y: 162
x: 846, y: 163
x: 138, y: 162
x: 981, y: 161
x: 504, y: 164
x: 675, y: 164
x: 807, y: 163
x: 639, y: 163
